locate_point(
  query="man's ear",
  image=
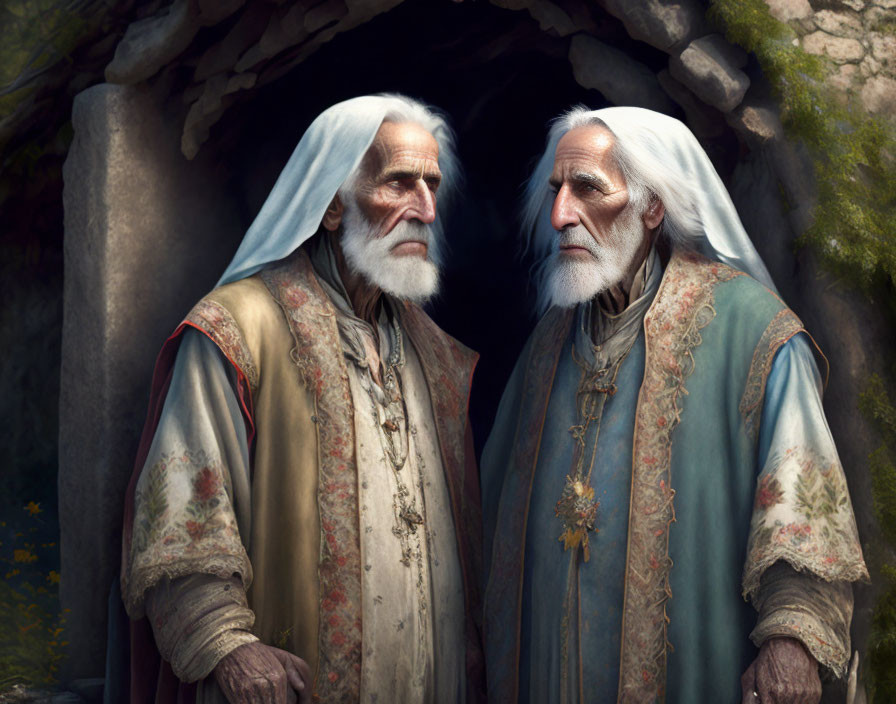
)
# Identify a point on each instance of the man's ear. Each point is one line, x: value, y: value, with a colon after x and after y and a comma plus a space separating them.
x: 333, y: 216
x: 653, y: 216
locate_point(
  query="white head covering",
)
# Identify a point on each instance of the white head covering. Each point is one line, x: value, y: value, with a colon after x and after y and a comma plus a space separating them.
x: 329, y: 152
x: 663, y: 154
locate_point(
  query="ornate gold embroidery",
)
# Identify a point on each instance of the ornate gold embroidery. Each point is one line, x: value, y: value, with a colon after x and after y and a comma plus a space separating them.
x: 217, y: 322
x: 782, y: 327
x: 683, y: 307
x: 313, y: 324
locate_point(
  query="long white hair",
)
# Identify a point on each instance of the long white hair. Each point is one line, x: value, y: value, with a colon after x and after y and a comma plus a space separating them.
x: 325, y: 159
x: 660, y: 158
x: 409, y: 110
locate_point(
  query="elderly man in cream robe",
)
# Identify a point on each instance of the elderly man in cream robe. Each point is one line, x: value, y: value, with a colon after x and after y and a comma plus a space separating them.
x: 660, y: 463
x: 304, y: 515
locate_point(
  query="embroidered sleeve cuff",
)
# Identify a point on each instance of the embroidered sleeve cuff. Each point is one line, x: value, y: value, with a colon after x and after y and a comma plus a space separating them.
x: 801, y: 606
x: 197, y: 620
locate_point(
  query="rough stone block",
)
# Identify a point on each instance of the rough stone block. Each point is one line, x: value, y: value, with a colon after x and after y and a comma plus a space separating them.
x: 223, y: 56
x: 717, y: 44
x: 757, y: 124
x: 789, y: 10
x: 843, y: 79
x: 146, y: 234
x: 838, y: 49
x: 151, y: 43
x: 621, y: 79
x: 552, y: 18
x: 879, y: 95
x: 840, y: 24
x: 711, y: 73
x: 703, y: 120
x: 664, y: 24
x: 284, y: 30
x: 869, y: 67
x: 883, y: 48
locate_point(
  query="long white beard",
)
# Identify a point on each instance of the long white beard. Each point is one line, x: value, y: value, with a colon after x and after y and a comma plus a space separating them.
x: 406, y: 277
x: 572, y: 281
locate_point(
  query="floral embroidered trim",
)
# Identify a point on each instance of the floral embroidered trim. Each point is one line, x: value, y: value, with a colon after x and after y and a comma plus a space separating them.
x: 177, y: 534
x: 504, y: 592
x: 312, y: 321
x: 802, y: 514
x: 683, y: 307
x: 824, y: 645
x: 217, y: 322
x: 782, y: 327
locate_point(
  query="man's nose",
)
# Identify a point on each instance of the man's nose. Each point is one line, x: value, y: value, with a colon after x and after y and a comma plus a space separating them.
x: 563, y: 213
x: 424, y: 205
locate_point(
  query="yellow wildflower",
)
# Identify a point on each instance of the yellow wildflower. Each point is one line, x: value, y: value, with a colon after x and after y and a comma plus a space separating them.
x: 53, y: 577
x: 33, y: 508
x: 23, y: 556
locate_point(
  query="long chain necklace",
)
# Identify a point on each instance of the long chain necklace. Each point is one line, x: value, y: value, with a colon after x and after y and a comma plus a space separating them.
x: 577, y: 508
x: 391, y: 420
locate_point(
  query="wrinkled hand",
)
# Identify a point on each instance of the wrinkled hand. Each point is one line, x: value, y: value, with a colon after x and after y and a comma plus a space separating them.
x: 782, y: 673
x: 256, y: 673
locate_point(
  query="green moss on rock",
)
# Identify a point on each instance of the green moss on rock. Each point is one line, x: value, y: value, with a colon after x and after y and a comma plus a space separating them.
x: 854, y: 230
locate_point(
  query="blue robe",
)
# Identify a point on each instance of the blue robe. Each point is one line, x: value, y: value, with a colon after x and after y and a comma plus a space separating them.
x: 718, y: 387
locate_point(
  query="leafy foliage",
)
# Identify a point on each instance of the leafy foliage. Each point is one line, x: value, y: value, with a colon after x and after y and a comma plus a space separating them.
x: 854, y: 231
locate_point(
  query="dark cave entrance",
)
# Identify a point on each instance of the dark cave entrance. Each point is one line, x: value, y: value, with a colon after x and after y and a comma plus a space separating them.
x: 500, y: 80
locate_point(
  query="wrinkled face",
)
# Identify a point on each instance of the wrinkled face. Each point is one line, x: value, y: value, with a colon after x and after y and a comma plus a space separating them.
x: 599, y: 229
x: 399, y: 180
x: 386, y: 227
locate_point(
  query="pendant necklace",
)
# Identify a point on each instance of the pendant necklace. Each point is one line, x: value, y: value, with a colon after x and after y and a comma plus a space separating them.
x: 577, y: 508
x: 391, y: 419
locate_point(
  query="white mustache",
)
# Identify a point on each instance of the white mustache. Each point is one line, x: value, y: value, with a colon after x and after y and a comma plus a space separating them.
x: 578, y: 236
x: 407, y: 231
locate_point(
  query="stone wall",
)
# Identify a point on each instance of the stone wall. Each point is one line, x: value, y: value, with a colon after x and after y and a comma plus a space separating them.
x: 858, y: 36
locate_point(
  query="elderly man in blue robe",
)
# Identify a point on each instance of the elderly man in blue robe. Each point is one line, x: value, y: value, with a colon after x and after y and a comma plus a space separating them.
x: 303, y: 520
x: 665, y: 514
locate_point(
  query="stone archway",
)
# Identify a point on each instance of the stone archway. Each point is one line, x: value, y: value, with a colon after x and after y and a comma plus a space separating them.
x: 165, y: 174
